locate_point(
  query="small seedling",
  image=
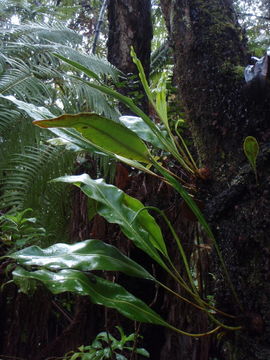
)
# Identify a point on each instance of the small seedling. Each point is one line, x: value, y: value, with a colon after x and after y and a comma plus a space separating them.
x: 251, y: 150
x: 105, y: 346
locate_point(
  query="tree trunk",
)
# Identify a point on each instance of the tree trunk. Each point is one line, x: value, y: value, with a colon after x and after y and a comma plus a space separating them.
x: 221, y: 110
x: 130, y: 25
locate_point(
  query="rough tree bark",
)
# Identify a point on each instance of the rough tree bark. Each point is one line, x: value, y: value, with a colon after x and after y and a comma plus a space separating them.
x: 130, y: 25
x: 209, y: 50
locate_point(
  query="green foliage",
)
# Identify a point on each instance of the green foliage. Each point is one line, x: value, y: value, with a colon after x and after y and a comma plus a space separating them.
x: 168, y: 141
x: 251, y: 150
x: 31, y: 76
x: 117, y: 207
x: 106, y: 346
x: 84, y: 256
x: 17, y: 231
x: 121, y: 142
x: 43, y: 68
x: 138, y: 126
x: 99, y: 290
x: 104, y: 133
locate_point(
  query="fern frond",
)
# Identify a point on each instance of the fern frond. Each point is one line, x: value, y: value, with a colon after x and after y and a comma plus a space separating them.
x: 24, y: 183
x: 98, y: 65
x: 30, y: 72
x: 160, y: 58
x: 44, y: 33
x: 7, y: 119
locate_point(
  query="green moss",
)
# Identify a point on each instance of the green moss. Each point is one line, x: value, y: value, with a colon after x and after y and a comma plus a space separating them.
x: 238, y: 72
x: 235, y: 71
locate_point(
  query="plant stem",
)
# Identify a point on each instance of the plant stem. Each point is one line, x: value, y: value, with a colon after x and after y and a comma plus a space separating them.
x: 180, y: 247
x: 179, y: 278
x: 197, y: 212
x: 185, y: 146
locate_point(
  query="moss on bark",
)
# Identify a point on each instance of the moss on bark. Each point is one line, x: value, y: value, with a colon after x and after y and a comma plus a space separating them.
x: 209, y: 51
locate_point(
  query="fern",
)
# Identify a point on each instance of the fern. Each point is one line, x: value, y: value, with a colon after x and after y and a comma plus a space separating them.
x: 161, y: 57
x: 30, y: 72
x: 44, y: 33
x: 39, y: 76
x: 24, y: 184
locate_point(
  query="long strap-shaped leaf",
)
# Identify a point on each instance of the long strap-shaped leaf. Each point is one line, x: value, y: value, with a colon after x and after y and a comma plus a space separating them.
x: 100, y: 291
x: 85, y: 256
x: 105, y: 133
x: 168, y: 145
x: 117, y: 207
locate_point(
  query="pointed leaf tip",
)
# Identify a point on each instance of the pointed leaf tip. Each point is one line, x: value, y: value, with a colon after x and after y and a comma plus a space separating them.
x: 108, y: 135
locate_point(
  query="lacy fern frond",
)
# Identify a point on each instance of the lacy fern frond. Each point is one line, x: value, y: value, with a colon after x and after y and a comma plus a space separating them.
x: 25, y: 184
x: 31, y: 73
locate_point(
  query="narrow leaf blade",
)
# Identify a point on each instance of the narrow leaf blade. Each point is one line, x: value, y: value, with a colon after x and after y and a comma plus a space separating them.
x: 78, y: 66
x: 147, y: 222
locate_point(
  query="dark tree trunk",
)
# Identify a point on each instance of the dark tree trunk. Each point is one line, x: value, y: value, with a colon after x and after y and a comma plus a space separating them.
x: 130, y: 25
x: 222, y: 111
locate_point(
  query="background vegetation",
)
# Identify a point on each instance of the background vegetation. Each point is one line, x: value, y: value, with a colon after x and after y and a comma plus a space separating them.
x: 35, y: 83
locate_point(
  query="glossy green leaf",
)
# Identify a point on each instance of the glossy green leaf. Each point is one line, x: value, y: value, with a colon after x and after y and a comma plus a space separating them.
x: 100, y: 291
x: 147, y: 222
x: 117, y: 207
x: 135, y: 109
x: 251, y: 149
x: 108, y: 135
x: 76, y: 140
x: 108, y: 91
x: 138, y: 126
x: 86, y: 255
x: 166, y: 142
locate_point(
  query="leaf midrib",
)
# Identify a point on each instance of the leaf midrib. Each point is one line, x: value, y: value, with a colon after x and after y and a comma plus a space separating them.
x: 119, y: 141
x: 105, y: 256
x: 128, y: 225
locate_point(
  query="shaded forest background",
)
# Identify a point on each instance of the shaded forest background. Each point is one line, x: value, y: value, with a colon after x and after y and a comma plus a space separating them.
x: 204, y: 48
